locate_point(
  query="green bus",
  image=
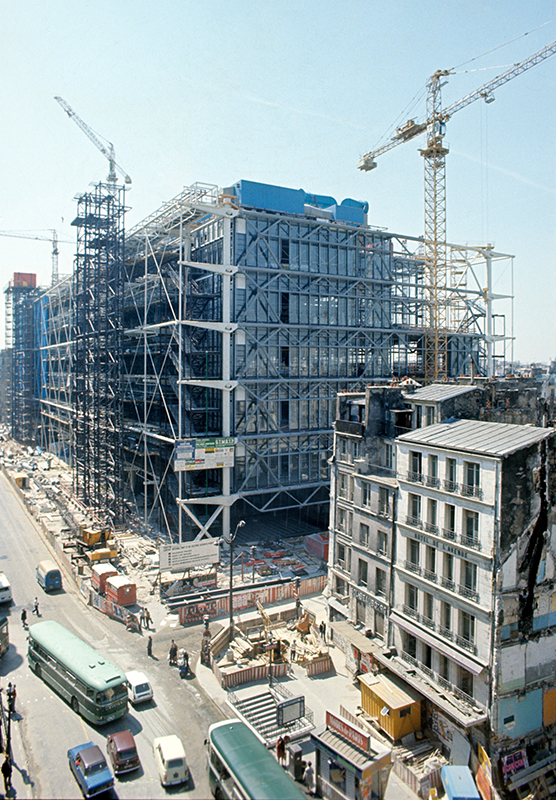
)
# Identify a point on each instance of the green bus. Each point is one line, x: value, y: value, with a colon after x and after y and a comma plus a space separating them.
x: 92, y: 685
x: 4, y: 636
x: 240, y: 766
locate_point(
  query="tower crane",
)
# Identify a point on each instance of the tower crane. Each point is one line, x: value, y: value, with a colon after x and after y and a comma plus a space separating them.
x: 434, y: 153
x: 108, y: 152
x: 54, y: 239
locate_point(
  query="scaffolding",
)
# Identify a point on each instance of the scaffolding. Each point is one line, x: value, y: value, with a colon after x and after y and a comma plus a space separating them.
x: 245, y: 323
x: 21, y: 350
x: 96, y: 350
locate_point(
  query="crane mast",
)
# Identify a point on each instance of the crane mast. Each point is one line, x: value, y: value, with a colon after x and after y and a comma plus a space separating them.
x: 108, y: 152
x: 54, y: 239
x: 437, y: 295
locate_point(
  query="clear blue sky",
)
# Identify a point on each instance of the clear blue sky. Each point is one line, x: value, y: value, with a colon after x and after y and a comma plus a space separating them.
x: 291, y: 93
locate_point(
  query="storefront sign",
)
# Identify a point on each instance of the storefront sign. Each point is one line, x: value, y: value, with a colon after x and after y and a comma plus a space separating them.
x: 343, y: 728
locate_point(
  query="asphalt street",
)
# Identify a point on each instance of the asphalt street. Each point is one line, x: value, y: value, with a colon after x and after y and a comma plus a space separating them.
x: 44, y: 726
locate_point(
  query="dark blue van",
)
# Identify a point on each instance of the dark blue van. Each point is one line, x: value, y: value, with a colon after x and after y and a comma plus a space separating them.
x: 49, y: 576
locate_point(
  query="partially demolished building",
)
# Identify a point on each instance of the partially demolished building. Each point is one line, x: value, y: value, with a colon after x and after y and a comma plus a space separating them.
x: 453, y: 574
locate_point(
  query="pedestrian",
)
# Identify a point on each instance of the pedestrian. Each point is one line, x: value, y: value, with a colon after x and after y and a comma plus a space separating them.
x: 11, y: 697
x: 172, y: 655
x: 7, y: 773
x: 323, y: 630
x: 150, y: 646
x: 36, y: 606
x: 308, y: 776
x: 148, y: 618
x: 292, y: 652
x: 24, y: 618
x: 280, y: 750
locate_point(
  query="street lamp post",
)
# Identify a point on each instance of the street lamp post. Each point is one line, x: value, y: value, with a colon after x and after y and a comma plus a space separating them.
x: 240, y: 524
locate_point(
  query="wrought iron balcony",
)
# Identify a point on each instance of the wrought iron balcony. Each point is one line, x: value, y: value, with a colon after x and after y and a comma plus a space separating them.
x: 448, y: 584
x: 410, y: 659
x: 413, y: 567
x: 450, y: 486
x: 416, y: 477
x: 447, y: 533
x: 466, y: 644
x: 431, y: 527
x: 433, y: 481
x: 411, y: 612
x: 470, y: 541
x: 445, y: 632
x: 430, y: 575
x: 415, y: 522
x: 428, y: 622
x: 469, y: 593
x: 470, y: 490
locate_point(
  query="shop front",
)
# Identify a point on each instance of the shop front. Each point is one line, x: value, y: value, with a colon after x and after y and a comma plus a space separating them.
x: 350, y: 764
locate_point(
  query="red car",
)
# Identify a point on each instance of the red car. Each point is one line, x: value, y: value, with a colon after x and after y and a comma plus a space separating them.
x: 122, y: 751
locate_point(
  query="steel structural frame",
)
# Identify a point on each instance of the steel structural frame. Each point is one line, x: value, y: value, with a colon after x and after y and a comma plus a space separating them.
x: 21, y: 350
x: 204, y: 337
x: 96, y: 350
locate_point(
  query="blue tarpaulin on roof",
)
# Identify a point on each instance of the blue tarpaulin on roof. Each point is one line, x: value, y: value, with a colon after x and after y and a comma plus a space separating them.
x: 459, y: 783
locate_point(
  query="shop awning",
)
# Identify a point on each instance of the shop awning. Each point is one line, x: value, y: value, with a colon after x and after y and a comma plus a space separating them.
x: 474, y: 665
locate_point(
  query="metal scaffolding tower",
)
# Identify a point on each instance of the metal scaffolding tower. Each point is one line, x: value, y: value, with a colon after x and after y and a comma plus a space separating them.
x: 96, y: 349
x: 21, y: 350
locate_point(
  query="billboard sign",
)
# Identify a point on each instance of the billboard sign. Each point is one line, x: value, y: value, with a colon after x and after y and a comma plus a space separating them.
x: 191, y: 454
x: 177, y: 557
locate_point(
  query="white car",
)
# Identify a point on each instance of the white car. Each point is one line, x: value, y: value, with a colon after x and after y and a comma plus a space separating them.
x: 170, y: 760
x: 5, y: 589
x: 139, y: 690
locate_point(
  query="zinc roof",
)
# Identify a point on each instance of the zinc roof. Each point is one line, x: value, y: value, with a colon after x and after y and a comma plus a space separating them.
x: 473, y: 436
x: 436, y: 392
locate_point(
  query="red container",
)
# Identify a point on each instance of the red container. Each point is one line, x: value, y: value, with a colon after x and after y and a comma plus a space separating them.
x: 100, y: 574
x: 23, y: 279
x: 121, y: 590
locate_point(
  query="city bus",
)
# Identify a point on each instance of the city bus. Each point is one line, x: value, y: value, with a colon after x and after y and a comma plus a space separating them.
x: 240, y: 766
x: 92, y: 685
x: 4, y: 637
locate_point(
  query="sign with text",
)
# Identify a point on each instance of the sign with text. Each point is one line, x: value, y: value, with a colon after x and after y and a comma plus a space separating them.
x: 191, y: 454
x: 177, y: 557
x: 343, y: 728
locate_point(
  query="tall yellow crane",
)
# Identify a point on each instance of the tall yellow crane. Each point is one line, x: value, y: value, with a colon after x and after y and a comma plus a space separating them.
x: 54, y: 239
x: 108, y: 152
x: 436, y: 272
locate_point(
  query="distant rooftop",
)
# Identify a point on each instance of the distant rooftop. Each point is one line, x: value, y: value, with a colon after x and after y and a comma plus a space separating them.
x: 436, y: 392
x: 472, y: 436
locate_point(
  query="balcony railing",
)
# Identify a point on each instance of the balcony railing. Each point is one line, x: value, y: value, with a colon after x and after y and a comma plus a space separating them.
x: 415, y: 477
x: 415, y: 522
x: 427, y: 670
x: 448, y: 584
x: 433, y: 481
x: 470, y: 594
x: 447, y: 533
x: 352, y: 428
x: 466, y: 644
x: 411, y: 612
x: 413, y: 567
x: 410, y: 659
x: 445, y: 632
x: 469, y: 490
x: 450, y: 486
x: 428, y: 622
x: 464, y: 696
x: 430, y: 575
x: 470, y: 541
x: 431, y: 527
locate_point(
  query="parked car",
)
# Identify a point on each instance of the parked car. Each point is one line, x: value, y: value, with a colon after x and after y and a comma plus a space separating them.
x: 170, y: 760
x: 5, y: 589
x: 139, y: 690
x: 90, y: 769
x: 122, y: 751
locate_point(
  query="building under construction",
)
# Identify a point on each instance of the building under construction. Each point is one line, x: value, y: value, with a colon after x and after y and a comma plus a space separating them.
x: 192, y: 369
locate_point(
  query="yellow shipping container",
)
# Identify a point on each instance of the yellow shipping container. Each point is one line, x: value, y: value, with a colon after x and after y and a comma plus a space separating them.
x: 395, y: 706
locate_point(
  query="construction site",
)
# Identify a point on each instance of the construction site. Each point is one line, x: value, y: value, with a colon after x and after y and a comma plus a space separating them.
x: 180, y: 390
